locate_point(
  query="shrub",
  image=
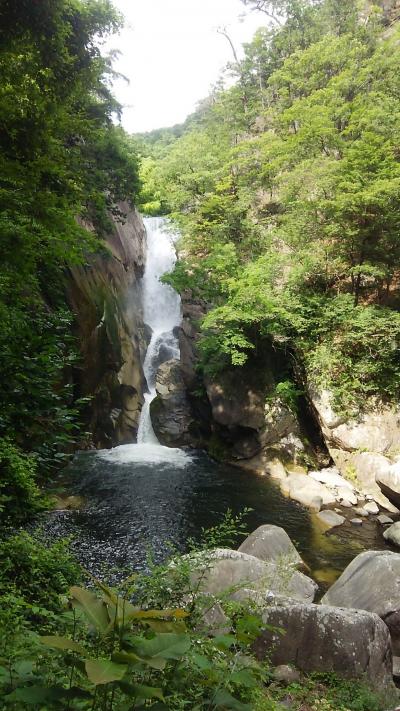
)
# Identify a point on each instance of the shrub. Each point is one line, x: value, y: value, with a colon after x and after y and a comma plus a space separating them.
x: 19, y: 494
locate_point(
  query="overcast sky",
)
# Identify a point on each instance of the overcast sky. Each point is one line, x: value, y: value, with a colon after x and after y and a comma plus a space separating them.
x: 172, y: 55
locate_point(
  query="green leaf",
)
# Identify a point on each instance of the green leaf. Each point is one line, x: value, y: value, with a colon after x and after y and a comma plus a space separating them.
x: 133, y: 660
x: 62, y: 643
x: 202, y: 662
x: 244, y: 677
x: 94, y: 609
x: 141, y: 691
x: 165, y: 646
x: 223, y: 699
x: 30, y: 695
x: 104, y: 671
x: 224, y: 641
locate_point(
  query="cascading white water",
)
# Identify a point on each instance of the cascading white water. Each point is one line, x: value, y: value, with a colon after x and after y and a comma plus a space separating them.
x: 161, y: 311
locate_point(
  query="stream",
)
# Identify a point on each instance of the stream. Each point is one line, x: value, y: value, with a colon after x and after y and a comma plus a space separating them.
x: 142, y: 499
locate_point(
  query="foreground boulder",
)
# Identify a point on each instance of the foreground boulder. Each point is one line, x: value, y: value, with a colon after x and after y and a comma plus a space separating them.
x: 271, y: 543
x: 352, y: 643
x: 224, y: 571
x: 371, y: 582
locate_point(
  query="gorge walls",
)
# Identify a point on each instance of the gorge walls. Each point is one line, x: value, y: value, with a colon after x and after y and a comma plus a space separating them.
x: 104, y: 295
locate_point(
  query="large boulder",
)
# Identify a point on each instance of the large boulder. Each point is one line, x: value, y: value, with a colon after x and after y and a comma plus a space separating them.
x: 376, y: 430
x: 352, y: 643
x: 362, y: 446
x: 388, y: 480
x: 170, y: 411
x: 392, y: 534
x: 224, y: 571
x: 271, y: 543
x: 307, y: 491
x: 371, y: 582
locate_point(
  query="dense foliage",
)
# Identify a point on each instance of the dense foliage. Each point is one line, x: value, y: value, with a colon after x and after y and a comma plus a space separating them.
x: 286, y: 189
x: 61, y: 158
x: 146, y: 644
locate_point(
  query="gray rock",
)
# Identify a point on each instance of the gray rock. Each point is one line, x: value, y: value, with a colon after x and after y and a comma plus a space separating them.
x: 332, y: 478
x: 371, y: 507
x: 347, y: 495
x: 276, y: 470
x: 352, y: 643
x: 330, y: 519
x: 214, y: 621
x: 388, y: 481
x: 384, y: 520
x: 286, y: 674
x: 224, y: 571
x: 307, y: 491
x: 361, y: 512
x: 271, y: 543
x: 392, y: 534
x: 396, y: 667
x: 356, y: 521
x: 371, y: 582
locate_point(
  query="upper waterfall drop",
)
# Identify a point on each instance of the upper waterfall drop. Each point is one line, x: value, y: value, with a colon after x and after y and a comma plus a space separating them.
x: 161, y: 311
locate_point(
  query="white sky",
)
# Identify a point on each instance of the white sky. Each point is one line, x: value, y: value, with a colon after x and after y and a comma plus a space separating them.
x: 172, y: 55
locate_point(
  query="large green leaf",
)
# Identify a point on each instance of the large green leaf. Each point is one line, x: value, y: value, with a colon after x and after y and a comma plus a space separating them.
x: 133, y: 660
x: 224, y: 700
x: 141, y: 691
x: 166, y: 646
x: 62, y: 643
x: 94, y: 609
x: 104, y: 671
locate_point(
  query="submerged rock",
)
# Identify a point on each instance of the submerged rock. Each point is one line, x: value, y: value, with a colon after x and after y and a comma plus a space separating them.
x: 384, y: 520
x: 352, y: 643
x: 330, y: 519
x: 271, y: 543
x: 371, y: 582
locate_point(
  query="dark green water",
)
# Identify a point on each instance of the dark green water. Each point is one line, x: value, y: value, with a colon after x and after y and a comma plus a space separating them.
x: 135, y: 500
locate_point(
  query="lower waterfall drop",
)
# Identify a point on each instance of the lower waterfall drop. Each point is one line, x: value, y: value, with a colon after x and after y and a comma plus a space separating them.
x: 161, y: 311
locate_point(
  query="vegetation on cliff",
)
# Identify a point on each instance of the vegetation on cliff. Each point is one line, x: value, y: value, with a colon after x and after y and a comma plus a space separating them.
x: 285, y: 188
x: 62, y: 158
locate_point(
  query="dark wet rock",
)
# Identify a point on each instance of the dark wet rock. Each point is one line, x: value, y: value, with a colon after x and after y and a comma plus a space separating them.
x: 104, y: 295
x: 170, y: 411
x: 371, y: 582
x: 355, y: 644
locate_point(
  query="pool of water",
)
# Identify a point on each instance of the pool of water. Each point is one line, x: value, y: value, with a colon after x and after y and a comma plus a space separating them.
x: 145, y: 498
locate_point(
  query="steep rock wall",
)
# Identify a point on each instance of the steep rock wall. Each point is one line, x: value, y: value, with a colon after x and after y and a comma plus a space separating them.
x: 104, y: 295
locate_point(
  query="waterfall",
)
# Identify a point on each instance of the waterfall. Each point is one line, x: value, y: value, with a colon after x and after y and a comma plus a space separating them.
x: 161, y: 311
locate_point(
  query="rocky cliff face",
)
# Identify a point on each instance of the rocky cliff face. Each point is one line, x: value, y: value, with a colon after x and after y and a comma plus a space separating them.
x: 105, y: 297
x: 235, y: 415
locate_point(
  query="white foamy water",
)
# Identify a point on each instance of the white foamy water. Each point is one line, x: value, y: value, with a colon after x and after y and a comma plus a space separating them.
x: 145, y: 453
x: 161, y: 311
